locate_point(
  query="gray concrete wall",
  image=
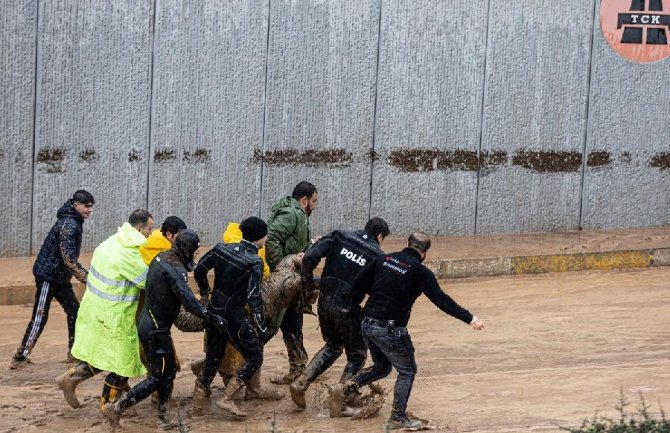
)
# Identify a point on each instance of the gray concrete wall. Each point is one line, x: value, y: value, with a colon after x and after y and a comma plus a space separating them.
x: 453, y: 117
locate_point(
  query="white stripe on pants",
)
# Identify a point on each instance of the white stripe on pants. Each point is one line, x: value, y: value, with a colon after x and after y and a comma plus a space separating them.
x: 37, y: 320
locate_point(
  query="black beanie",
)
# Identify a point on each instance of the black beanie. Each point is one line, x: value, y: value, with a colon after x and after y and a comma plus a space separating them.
x: 253, y: 229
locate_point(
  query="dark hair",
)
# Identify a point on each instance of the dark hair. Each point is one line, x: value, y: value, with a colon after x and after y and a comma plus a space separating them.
x: 82, y: 196
x: 173, y: 224
x: 253, y: 229
x: 139, y: 218
x: 419, y: 241
x: 303, y: 189
x: 377, y: 226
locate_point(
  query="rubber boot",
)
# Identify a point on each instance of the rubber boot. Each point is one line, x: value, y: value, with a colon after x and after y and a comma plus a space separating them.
x: 112, y: 411
x: 337, y: 393
x: 298, y: 389
x: 69, y: 380
x: 110, y: 394
x: 164, y: 421
x: 200, y: 400
x: 255, y: 391
x: 226, y: 402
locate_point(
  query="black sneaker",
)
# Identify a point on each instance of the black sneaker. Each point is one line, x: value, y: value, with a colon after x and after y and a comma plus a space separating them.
x: 404, y: 422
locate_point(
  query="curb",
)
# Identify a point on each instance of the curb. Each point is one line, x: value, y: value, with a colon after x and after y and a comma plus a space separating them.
x: 466, y: 268
x: 539, y: 264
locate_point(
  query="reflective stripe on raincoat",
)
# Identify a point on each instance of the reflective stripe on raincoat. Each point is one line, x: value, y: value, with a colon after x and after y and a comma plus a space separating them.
x: 105, y: 333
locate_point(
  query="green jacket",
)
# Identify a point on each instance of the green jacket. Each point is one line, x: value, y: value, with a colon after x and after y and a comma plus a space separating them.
x: 105, y: 332
x: 288, y: 231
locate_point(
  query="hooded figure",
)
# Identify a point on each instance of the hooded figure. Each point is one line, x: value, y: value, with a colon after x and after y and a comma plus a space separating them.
x: 166, y: 291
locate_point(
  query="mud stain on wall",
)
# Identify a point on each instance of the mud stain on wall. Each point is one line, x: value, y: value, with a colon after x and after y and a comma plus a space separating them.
x: 661, y: 160
x: 51, y: 159
x: 626, y: 158
x: 598, y: 158
x: 134, y: 156
x: 329, y: 158
x: 164, y: 155
x: 197, y: 156
x: 425, y: 160
x: 88, y: 155
x: 551, y: 161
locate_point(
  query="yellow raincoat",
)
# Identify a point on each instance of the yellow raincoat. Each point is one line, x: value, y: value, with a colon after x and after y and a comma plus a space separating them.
x: 156, y: 243
x: 105, y: 332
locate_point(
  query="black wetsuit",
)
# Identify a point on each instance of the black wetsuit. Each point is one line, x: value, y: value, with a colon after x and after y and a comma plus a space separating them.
x: 237, y: 281
x: 166, y: 290
x: 339, y: 308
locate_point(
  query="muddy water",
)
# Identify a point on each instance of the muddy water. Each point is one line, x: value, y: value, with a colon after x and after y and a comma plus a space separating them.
x: 557, y: 349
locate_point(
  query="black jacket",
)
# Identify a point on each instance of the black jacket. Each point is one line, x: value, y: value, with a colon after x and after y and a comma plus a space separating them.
x: 58, y: 259
x: 396, y: 280
x: 167, y: 289
x: 237, y: 278
x: 346, y: 254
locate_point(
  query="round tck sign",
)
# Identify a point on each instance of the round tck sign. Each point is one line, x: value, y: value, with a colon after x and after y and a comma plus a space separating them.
x: 637, y: 29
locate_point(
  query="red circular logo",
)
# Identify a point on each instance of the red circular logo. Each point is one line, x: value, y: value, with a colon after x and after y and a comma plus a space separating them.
x: 637, y: 30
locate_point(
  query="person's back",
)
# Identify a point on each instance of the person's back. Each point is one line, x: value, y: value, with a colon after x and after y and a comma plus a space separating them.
x: 339, y: 310
x: 349, y: 252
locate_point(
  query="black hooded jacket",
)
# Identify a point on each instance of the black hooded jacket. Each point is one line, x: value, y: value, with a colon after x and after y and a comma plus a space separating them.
x: 58, y: 259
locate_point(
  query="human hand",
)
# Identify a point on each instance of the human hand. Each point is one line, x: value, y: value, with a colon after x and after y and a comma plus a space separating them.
x: 477, y: 323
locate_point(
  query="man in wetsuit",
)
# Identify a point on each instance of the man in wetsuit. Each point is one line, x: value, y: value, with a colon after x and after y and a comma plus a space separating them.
x: 237, y: 281
x: 339, y: 310
x: 166, y: 290
x: 394, y: 282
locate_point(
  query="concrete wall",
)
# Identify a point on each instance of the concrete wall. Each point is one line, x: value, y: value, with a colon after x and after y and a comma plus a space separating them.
x: 455, y: 117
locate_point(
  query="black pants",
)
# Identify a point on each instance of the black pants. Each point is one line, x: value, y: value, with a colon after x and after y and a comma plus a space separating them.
x: 243, y: 337
x: 45, y: 292
x: 291, y: 328
x: 389, y: 347
x: 341, y: 330
x: 161, y: 362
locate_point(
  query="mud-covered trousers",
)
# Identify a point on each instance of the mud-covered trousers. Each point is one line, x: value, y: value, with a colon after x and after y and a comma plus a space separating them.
x: 389, y: 347
x: 161, y: 363
x: 46, y: 291
x: 291, y: 329
x: 243, y: 337
x: 341, y: 330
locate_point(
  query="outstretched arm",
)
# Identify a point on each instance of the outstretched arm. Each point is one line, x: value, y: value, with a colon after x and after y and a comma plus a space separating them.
x: 313, y: 256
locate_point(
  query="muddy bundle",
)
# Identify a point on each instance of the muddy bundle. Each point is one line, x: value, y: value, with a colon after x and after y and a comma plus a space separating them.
x: 279, y: 290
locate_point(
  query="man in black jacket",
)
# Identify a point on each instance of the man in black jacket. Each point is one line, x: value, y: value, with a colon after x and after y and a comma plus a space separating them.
x: 237, y: 282
x: 56, y: 263
x: 339, y: 308
x: 394, y: 282
x: 166, y: 290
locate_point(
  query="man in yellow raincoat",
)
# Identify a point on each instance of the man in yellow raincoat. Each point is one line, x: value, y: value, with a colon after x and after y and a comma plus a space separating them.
x: 105, y: 333
x: 161, y: 240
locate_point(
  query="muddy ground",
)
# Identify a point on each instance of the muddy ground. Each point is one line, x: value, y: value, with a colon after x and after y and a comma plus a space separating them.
x: 558, y: 348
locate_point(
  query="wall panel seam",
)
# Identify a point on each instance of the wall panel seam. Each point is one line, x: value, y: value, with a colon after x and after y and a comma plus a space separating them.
x: 374, y: 108
x: 34, y: 143
x: 151, y: 99
x: 265, y: 108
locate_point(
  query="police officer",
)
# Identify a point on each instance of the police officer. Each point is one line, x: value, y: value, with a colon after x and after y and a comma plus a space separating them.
x: 166, y: 290
x: 339, y: 308
x: 396, y: 280
x: 237, y: 281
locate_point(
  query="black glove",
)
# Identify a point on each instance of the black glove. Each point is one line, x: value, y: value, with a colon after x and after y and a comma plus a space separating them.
x: 260, y: 322
x: 215, y: 320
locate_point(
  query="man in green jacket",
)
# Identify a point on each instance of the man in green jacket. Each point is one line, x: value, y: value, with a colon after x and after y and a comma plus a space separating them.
x: 105, y: 333
x: 288, y: 233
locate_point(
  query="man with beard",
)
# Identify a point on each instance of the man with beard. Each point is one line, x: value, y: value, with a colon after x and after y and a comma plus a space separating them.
x: 237, y: 282
x: 289, y: 233
x: 166, y: 290
x: 56, y: 263
x: 394, y: 282
x: 339, y: 308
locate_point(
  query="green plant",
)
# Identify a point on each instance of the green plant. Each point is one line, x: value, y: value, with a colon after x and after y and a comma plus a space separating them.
x: 640, y: 422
